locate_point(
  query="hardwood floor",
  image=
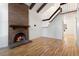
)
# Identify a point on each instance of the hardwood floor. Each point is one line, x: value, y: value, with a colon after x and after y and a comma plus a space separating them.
x: 42, y: 47
x: 70, y: 39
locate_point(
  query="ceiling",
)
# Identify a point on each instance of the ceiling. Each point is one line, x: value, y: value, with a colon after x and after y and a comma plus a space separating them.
x: 28, y: 4
x: 38, y: 5
x: 46, y: 11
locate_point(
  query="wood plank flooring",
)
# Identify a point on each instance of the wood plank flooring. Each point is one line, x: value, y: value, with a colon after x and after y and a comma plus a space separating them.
x: 70, y: 39
x: 42, y: 47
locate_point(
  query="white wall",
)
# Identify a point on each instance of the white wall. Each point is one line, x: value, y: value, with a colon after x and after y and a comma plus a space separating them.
x: 34, y: 18
x: 69, y: 7
x: 3, y: 25
x: 42, y: 28
x: 55, y: 28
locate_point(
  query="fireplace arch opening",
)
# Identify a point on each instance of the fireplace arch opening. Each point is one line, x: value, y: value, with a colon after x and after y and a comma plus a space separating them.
x: 19, y: 37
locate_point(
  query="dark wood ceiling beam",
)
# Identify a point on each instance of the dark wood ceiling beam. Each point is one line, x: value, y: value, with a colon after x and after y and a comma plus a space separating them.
x: 45, y: 19
x: 62, y: 3
x: 32, y: 5
x: 54, y: 17
x: 53, y: 14
x: 42, y: 6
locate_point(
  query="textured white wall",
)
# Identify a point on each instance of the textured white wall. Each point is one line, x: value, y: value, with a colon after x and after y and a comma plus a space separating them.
x: 34, y: 18
x: 3, y: 25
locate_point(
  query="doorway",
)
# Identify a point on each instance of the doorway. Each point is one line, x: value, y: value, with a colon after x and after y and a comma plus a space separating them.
x: 69, y: 20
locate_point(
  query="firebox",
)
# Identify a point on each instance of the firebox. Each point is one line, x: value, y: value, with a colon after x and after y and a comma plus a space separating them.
x: 19, y: 37
x: 18, y: 24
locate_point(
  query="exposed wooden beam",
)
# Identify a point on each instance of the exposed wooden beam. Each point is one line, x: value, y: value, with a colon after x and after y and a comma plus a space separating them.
x: 54, y: 13
x: 62, y: 3
x: 69, y: 12
x: 32, y: 5
x: 54, y: 17
x: 45, y: 19
x: 42, y: 6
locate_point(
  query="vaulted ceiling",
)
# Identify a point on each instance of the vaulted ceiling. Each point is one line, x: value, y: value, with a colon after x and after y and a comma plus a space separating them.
x: 43, y: 8
x: 39, y: 7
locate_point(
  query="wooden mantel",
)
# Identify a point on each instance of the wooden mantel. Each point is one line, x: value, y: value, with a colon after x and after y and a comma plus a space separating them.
x: 19, y: 26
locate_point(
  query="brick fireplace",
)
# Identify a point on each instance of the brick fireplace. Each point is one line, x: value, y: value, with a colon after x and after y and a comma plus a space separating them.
x: 18, y: 24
